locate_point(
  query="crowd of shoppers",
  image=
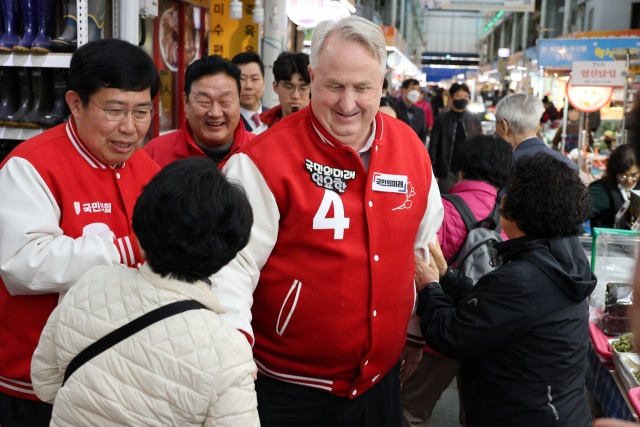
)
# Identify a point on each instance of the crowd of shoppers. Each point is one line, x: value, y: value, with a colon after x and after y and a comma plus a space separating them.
x: 227, y: 315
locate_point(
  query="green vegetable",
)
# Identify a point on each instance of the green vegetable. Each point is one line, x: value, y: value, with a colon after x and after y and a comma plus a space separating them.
x: 636, y: 374
x: 625, y: 344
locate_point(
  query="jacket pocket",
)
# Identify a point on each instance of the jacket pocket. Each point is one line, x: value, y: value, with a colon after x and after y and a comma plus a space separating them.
x: 297, y: 286
x: 554, y: 411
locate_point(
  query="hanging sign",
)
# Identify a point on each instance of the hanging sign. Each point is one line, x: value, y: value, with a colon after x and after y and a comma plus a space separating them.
x: 229, y: 37
x: 588, y: 98
x: 506, y: 5
x: 597, y: 73
x: 308, y: 13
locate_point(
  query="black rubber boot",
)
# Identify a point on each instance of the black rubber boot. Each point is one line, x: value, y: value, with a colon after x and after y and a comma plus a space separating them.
x: 60, y: 109
x: 96, y: 18
x: 26, y: 98
x: 9, y: 95
x: 41, y: 83
x: 6, y: 145
x: 11, y: 16
x: 67, y: 41
x: 46, y: 13
x: 28, y: 9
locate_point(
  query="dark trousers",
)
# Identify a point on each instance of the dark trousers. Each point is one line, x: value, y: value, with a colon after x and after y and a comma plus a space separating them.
x: 16, y: 412
x: 283, y: 404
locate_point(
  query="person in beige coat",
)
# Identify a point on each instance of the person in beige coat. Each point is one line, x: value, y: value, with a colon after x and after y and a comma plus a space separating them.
x: 190, y: 369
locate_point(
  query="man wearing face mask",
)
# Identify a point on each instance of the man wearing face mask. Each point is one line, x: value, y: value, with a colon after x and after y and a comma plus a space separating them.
x: 450, y: 130
x: 410, y: 113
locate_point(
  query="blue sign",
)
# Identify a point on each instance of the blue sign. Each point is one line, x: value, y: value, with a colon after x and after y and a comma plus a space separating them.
x: 562, y: 52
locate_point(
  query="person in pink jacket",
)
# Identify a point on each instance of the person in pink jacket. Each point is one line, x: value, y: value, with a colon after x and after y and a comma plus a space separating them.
x: 484, y: 163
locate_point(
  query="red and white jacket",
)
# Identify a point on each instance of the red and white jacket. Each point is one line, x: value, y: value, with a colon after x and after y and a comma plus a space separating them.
x: 61, y: 212
x: 325, y: 284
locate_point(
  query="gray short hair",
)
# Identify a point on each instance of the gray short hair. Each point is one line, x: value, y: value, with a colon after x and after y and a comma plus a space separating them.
x: 522, y: 112
x: 353, y: 29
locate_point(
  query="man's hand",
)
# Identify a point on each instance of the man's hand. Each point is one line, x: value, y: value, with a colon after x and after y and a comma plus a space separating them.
x: 441, y: 263
x: 425, y: 273
x: 411, y: 356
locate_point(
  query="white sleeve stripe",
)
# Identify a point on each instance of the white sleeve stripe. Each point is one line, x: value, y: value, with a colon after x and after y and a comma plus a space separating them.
x: 123, y: 254
x: 131, y: 256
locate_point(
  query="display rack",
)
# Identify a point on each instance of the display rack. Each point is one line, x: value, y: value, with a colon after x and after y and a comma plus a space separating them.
x: 125, y: 26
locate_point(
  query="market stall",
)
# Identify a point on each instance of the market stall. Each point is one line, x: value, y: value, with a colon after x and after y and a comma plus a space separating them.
x: 612, y: 360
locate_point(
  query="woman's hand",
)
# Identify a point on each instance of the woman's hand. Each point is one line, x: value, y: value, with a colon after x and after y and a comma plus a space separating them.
x: 425, y: 273
x: 441, y: 263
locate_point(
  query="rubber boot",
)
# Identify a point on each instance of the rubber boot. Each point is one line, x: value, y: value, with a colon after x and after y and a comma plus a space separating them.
x: 6, y: 146
x: 67, y: 41
x: 60, y: 109
x: 9, y: 95
x: 28, y: 11
x: 11, y: 16
x: 26, y: 98
x: 41, y: 83
x: 96, y: 18
x: 46, y: 13
x: 1, y: 26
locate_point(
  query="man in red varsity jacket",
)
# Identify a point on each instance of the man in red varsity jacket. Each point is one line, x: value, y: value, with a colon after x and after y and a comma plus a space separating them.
x: 213, y: 127
x: 66, y: 201
x: 343, y: 197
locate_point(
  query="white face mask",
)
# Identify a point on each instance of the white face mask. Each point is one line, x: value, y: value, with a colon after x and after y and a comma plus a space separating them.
x: 413, y: 96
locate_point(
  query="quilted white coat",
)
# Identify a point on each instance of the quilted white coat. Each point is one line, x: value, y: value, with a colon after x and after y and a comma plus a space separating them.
x: 191, y: 369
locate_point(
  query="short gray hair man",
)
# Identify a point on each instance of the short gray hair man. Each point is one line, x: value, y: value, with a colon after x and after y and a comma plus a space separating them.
x: 518, y: 117
x: 353, y: 29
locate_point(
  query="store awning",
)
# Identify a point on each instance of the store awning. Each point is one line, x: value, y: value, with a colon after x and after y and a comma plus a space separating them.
x: 435, y: 75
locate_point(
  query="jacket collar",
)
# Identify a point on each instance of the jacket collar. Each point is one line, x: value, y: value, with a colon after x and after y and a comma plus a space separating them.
x: 74, y: 137
x: 328, y: 139
x: 272, y: 115
x: 529, y: 142
x: 187, y: 146
x: 198, y: 291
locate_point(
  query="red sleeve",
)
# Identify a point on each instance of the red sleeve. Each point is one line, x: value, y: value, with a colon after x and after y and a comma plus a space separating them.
x: 129, y: 250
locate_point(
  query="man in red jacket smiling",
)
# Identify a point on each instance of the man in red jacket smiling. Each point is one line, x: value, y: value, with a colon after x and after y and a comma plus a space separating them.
x: 66, y: 202
x: 213, y: 127
x: 342, y: 199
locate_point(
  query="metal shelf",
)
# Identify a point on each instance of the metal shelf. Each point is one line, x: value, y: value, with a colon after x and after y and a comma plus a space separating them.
x: 47, y: 60
x: 19, y: 134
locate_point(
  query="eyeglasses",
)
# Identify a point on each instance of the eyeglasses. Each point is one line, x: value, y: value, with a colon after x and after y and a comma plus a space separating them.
x: 633, y: 177
x: 291, y: 88
x: 118, y: 114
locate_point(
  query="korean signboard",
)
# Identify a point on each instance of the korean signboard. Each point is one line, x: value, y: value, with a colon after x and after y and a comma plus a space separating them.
x: 229, y: 37
x: 563, y: 52
x: 598, y: 73
x: 506, y: 5
x: 588, y: 98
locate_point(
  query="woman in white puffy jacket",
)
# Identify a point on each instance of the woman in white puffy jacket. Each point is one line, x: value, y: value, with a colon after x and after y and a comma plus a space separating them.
x: 190, y: 369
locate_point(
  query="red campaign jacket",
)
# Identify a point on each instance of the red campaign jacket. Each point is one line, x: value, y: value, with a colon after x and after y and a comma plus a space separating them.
x: 272, y: 115
x: 180, y: 145
x: 334, y: 297
x: 92, y: 198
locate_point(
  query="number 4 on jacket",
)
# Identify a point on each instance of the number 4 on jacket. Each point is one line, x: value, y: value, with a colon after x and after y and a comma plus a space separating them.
x: 338, y: 223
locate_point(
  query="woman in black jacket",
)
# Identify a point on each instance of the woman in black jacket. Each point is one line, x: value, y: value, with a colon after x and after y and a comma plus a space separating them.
x: 610, y: 192
x: 522, y: 332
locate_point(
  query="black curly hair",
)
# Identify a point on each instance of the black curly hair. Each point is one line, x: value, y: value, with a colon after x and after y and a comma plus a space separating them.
x: 487, y: 158
x: 546, y: 198
x: 191, y: 221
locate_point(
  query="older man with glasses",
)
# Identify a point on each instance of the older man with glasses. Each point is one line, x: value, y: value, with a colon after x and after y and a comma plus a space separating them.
x: 213, y: 127
x: 292, y: 84
x: 343, y: 197
x: 66, y: 204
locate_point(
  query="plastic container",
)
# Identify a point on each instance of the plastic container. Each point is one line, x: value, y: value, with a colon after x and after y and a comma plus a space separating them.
x: 613, y: 259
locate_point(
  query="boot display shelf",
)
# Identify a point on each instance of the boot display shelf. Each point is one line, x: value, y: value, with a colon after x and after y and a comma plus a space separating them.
x: 48, y: 60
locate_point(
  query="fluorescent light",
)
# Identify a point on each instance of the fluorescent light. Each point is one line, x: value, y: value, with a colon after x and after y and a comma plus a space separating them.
x: 461, y: 76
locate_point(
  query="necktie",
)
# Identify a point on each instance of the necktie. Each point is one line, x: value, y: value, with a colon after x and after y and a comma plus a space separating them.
x: 256, y: 119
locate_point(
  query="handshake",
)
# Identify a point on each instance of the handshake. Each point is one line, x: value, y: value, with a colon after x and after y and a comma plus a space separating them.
x: 432, y: 272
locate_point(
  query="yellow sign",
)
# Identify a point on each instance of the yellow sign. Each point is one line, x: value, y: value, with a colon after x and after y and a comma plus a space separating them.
x: 229, y: 37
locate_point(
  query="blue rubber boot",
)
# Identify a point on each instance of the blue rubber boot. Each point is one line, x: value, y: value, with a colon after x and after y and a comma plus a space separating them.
x: 96, y: 18
x: 67, y: 41
x: 11, y: 16
x: 29, y: 15
x: 46, y: 13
